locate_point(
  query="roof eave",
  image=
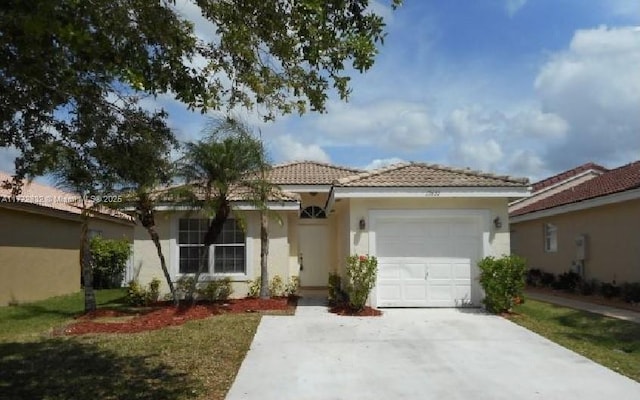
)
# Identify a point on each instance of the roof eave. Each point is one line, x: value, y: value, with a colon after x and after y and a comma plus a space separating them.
x: 421, y: 192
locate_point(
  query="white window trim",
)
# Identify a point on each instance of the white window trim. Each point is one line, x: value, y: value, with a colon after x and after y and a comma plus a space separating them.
x: 550, y: 231
x: 174, y: 267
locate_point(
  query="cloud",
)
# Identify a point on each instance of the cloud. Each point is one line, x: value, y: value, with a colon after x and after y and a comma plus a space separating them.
x: 383, y: 162
x: 594, y: 86
x: 286, y: 148
x: 400, y: 125
x: 513, y: 6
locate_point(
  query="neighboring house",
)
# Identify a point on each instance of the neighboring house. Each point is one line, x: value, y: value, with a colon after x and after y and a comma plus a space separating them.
x: 592, y: 227
x: 427, y: 224
x: 40, y: 241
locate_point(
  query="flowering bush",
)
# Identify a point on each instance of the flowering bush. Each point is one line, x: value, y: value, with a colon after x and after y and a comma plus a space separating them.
x: 503, y: 281
x: 361, y: 277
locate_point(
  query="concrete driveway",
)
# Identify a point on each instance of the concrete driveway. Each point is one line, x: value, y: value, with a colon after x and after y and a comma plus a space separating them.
x: 416, y: 354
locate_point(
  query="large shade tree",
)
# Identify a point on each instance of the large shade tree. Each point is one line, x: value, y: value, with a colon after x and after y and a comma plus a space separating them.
x: 58, y: 56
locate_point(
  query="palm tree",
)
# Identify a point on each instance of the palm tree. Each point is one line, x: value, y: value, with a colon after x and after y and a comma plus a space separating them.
x: 227, y: 159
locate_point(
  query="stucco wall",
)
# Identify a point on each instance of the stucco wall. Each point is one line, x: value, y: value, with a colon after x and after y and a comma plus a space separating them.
x: 39, y: 254
x: 498, y: 238
x: 147, y: 264
x: 613, y: 242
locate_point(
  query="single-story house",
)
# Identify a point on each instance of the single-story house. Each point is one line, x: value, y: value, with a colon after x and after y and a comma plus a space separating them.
x: 589, y: 223
x: 40, y: 241
x: 428, y: 225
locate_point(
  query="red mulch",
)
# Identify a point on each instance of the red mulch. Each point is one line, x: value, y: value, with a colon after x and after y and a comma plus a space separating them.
x: 343, y: 309
x: 165, y: 314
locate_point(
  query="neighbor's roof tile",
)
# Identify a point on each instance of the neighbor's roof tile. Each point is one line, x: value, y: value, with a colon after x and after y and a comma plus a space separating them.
x: 308, y: 173
x: 552, y: 180
x: 427, y: 175
x: 626, y: 177
x: 52, y: 198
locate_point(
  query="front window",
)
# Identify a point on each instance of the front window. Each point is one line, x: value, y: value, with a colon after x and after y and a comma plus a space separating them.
x: 550, y: 238
x: 228, y: 251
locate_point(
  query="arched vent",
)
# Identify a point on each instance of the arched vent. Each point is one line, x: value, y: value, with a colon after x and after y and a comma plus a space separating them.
x: 313, y: 212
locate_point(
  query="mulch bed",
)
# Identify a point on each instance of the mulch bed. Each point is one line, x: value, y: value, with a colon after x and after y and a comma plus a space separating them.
x: 343, y: 309
x: 162, y: 315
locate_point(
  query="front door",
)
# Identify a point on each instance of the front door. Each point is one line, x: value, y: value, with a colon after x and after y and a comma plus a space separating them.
x: 314, y: 254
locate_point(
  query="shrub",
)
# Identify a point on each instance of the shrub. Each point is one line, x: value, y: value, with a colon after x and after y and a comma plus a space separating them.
x: 292, y: 287
x: 534, y: 277
x: 276, y: 287
x: 631, y: 292
x: 254, y: 288
x: 567, y: 281
x: 217, y: 290
x: 109, y: 261
x: 609, y: 290
x: 335, y: 289
x: 503, y: 281
x: 139, y: 296
x: 588, y: 288
x: 184, y: 287
x: 360, y: 278
x: 547, y: 279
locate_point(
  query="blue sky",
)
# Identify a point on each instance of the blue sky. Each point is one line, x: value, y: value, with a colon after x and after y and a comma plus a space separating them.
x: 525, y: 88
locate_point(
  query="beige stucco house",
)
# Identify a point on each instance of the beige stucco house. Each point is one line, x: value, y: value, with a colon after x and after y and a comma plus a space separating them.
x: 586, y: 219
x: 427, y: 224
x: 40, y: 241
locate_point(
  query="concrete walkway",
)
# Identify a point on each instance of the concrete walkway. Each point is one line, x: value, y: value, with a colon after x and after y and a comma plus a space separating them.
x: 452, y: 354
x: 620, y: 313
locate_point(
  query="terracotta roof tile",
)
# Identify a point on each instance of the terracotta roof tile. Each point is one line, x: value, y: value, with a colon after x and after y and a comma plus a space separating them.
x: 552, y: 180
x: 52, y: 198
x: 427, y: 175
x: 612, y: 181
x: 236, y: 193
x: 308, y: 173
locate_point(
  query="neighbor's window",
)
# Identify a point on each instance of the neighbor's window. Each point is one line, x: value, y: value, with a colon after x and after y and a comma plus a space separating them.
x: 550, y: 238
x: 228, y: 251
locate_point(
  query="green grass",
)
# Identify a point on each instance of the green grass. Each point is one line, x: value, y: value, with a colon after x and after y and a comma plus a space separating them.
x: 611, y: 342
x: 37, y: 318
x: 198, y: 360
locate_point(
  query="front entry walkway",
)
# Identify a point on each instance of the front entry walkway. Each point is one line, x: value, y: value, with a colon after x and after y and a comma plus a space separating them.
x: 415, y: 354
x: 627, y: 315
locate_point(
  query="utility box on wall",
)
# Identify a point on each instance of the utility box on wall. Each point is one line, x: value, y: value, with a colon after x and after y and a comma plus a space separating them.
x: 581, y: 247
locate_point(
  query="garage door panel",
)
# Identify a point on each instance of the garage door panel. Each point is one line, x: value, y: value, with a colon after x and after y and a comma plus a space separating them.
x: 426, y: 263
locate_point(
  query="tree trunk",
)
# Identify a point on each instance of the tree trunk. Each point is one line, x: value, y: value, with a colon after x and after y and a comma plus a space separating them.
x: 215, y: 227
x: 163, y: 263
x: 85, y: 264
x: 147, y: 218
x: 264, y: 255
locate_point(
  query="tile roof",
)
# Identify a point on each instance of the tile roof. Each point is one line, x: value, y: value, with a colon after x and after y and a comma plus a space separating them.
x: 626, y: 177
x: 236, y: 194
x: 308, y: 173
x: 427, y: 175
x: 537, y: 186
x: 48, y: 197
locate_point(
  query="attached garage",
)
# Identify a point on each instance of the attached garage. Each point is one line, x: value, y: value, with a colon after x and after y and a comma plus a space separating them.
x: 428, y: 258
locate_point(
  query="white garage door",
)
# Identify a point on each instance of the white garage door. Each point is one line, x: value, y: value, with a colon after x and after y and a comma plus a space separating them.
x: 427, y: 262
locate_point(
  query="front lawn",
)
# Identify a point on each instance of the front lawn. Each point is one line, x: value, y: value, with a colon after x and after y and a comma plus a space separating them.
x: 197, y: 360
x: 611, y: 342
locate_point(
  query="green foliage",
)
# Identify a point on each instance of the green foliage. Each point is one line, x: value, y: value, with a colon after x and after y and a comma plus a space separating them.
x: 631, y: 292
x: 93, y: 60
x: 361, y: 274
x: 292, y: 287
x: 276, y: 286
x: 588, y: 287
x: 335, y: 289
x: 139, y: 296
x: 217, y: 289
x: 609, y: 290
x: 185, y: 287
x: 254, y: 288
x: 567, y: 281
x: 110, y: 260
x: 503, y: 281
